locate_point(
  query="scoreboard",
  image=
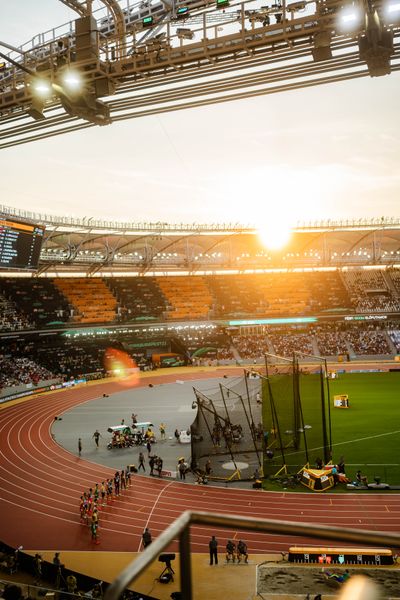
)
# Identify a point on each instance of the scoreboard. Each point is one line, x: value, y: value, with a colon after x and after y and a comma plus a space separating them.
x: 20, y: 244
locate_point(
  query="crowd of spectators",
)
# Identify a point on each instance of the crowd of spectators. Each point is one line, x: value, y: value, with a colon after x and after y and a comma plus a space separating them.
x: 10, y: 319
x: 36, y: 300
x: 286, y: 344
x: 73, y: 360
x: 40, y: 303
x: 19, y: 371
x: 394, y: 335
x: 250, y: 347
x: 210, y: 338
x: 378, y: 303
x: 370, y: 292
x: 368, y: 342
x: 330, y: 340
x: 395, y: 278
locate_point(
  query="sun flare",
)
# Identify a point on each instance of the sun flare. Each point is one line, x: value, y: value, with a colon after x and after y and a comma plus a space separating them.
x: 275, y: 235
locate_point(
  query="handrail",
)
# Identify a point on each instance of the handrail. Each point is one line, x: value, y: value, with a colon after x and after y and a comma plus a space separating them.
x: 40, y: 588
x: 180, y: 529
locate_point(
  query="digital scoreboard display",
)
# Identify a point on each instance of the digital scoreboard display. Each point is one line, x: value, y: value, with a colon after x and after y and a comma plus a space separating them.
x: 20, y: 244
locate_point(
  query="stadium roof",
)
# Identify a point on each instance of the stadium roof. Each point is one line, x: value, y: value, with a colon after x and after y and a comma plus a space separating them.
x: 90, y: 247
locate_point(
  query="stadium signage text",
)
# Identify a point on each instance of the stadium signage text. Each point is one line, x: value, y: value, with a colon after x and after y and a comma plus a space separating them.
x: 274, y: 321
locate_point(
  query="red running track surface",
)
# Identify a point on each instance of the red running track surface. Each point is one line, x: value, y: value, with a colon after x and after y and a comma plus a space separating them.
x: 41, y: 484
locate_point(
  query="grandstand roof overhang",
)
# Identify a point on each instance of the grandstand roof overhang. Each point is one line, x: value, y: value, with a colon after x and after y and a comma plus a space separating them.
x: 88, y: 247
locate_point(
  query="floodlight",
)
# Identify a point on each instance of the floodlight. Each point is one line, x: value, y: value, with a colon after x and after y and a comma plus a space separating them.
x: 349, y: 19
x: 36, y: 108
x: 393, y: 8
x: 72, y: 81
x: 392, y: 12
x: 42, y: 88
x: 184, y: 33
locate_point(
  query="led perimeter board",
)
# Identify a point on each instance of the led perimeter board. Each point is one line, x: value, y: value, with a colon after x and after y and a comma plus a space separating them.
x: 20, y: 244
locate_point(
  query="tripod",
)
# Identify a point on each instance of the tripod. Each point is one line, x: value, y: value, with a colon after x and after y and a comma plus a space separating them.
x: 168, y: 570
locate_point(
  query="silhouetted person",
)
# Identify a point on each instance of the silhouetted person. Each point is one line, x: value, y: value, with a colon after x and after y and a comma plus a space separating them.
x: 213, y: 546
x: 146, y: 537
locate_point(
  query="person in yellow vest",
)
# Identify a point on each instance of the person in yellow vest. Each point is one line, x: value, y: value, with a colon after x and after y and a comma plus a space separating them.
x: 162, y: 431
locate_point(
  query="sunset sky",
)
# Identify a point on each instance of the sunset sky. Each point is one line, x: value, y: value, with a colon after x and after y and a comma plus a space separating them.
x: 328, y: 152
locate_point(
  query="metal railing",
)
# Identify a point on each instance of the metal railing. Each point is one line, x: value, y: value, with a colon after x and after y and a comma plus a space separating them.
x: 180, y: 530
x: 90, y: 223
x: 30, y: 590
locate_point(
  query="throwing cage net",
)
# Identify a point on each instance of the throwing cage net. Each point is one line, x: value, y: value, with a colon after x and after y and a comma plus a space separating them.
x: 296, y: 415
x: 228, y: 430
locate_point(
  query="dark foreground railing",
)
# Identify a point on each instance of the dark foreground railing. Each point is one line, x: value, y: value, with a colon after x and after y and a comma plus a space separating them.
x: 180, y: 530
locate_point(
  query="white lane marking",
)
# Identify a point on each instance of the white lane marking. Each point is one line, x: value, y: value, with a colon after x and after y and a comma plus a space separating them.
x: 153, y: 508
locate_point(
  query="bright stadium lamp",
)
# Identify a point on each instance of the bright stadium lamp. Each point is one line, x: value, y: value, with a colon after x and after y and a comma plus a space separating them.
x: 392, y: 12
x: 71, y: 81
x: 349, y: 19
x: 42, y: 88
x: 393, y: 8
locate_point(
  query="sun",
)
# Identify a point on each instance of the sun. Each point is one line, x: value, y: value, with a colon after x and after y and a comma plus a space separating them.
x: 275, y: 234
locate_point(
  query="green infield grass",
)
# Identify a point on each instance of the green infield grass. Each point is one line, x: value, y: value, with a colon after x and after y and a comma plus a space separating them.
x: 367, y: 434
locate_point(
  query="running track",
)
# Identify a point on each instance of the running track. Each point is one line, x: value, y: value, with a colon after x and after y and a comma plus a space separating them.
x: 40, y: 485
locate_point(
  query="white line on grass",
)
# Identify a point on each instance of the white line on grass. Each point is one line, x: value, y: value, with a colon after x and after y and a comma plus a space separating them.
x: 370, y: 437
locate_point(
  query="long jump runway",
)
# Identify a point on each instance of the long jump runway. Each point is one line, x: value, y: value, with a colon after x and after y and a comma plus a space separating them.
x: 41, y: 483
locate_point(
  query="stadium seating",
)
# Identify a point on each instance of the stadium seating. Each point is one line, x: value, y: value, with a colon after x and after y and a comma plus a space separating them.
x: 91, y: 299
x: 250, y: 347
x: 188, y: 297
x: 370, y: 291
x: 328, y: 293
x: 285, y: 345
x: 139, y: 298
x: 205, y: 341
x: 331, y: 342
x: 277, y: 294
x: 394, y: 335
x: 10, y: 319
x: 17, y: 370
x: 38, y: 301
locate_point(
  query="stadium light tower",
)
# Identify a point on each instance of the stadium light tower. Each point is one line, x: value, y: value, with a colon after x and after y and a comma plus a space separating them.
x: 55, y: 79
x: 376, y: 45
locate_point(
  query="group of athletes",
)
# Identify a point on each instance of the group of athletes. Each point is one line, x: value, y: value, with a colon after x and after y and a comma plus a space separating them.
x: 94, y: 500
x: 238, y: 552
